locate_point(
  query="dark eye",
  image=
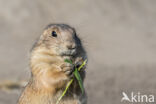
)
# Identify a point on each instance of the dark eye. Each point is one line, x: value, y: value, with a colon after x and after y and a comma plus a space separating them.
x: 54, y: 34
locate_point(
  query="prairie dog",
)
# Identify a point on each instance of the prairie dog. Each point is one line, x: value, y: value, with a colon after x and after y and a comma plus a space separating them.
x: 49, y: 72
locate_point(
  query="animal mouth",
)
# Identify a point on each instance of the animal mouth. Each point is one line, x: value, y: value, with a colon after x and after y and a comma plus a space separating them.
x: 69, y: 53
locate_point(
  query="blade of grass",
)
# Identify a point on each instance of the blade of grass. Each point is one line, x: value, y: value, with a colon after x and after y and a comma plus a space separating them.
x: 68, y: 61
x: 78, y: 77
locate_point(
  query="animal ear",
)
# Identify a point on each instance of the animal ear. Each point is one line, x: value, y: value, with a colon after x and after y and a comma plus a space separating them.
x: 48, y: 26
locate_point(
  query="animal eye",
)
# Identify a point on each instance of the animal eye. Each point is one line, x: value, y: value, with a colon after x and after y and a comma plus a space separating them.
x: 54, y: 34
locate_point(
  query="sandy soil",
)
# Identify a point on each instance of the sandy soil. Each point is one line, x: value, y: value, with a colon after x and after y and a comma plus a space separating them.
x: 119, y: 36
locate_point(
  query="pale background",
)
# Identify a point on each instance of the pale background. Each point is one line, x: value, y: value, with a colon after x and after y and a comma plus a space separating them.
x: 119, y: 36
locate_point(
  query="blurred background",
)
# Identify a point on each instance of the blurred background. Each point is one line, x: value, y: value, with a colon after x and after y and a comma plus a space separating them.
x: 119, y: 36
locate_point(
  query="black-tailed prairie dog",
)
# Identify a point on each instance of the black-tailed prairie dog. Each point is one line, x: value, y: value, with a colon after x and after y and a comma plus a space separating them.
x: 49, y: 72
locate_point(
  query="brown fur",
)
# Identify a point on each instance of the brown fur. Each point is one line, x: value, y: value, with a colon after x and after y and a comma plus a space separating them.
x: 50, y: 73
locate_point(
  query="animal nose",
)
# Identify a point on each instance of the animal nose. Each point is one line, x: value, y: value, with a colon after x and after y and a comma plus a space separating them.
x: 71, y: 46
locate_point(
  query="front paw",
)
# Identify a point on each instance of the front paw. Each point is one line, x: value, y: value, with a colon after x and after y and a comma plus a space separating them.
x: 78, y: 62
x: 67, y: 68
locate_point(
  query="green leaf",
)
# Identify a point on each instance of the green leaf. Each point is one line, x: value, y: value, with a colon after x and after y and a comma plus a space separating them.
x: 78, y: 77
x: 68, y: 61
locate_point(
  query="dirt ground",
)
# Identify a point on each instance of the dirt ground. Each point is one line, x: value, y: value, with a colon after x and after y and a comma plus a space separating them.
x: 119, y: 36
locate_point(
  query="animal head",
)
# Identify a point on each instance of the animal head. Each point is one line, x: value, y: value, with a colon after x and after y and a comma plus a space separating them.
x: 60, y: 39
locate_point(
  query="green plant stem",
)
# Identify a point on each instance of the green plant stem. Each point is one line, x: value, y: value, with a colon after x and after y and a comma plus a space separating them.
x: 69, y: 83
x: 84, y: 63
x: 64, y: 92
